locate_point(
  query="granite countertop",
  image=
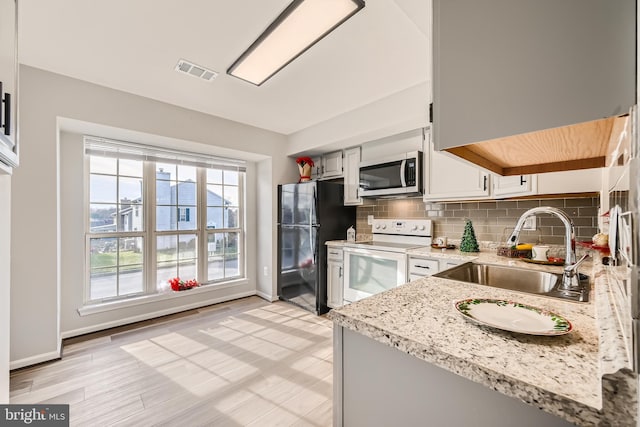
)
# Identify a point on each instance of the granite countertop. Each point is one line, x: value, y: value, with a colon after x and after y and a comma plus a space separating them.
x: 562, y: 375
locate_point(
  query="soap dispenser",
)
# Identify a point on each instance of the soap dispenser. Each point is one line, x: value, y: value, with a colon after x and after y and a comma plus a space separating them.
x: 351, y: 234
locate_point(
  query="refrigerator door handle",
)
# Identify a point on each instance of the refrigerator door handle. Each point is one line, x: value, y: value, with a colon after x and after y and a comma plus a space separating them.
x: 634, y: 278
x: 313, y: 207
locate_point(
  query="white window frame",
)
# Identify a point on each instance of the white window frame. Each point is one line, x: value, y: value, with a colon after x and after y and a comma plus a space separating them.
x: 149, y: 234
x: 240, y: 229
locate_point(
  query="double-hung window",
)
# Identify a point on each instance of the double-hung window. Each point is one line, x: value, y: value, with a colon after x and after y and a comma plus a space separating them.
x: 155, y: 214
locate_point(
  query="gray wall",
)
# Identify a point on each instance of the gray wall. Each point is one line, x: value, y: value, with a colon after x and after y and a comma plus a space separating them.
x: 489, y: 218
x: 383, y: 386
x: 267, y: 262
x: 40, y: 208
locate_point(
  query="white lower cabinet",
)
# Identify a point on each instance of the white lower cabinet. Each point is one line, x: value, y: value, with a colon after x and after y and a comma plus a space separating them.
x: 446, y: 264
x: 422, y: 266
x: 335, y: 277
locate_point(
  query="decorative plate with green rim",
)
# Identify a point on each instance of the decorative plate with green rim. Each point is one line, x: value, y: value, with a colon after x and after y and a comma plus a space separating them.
x: 513, y: 316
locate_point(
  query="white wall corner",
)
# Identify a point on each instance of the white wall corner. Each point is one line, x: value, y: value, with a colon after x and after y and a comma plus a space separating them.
x: 5, y: 287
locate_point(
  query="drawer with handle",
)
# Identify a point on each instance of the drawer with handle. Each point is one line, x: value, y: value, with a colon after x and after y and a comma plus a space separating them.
x: 423, y: 267
x: 334, y: 254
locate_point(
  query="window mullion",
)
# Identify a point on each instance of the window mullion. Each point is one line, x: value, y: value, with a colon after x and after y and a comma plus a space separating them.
x: 118, y: 228
x: 149, y: 200
x: 241, y: 225
x: 201, y: 211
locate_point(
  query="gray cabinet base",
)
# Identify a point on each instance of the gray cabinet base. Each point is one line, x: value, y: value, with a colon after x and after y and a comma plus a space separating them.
x: 376, y: 385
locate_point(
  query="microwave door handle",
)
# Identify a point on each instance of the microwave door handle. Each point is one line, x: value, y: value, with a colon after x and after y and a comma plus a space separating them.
x: 403, y: 179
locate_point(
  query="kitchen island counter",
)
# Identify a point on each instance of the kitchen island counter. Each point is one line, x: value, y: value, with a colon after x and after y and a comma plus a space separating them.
x: 570, y: 376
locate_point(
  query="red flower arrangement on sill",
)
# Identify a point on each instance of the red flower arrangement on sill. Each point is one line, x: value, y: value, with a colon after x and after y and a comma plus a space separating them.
x: 181, y: 285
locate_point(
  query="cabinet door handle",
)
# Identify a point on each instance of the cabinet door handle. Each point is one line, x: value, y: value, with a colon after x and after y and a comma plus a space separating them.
x: 7, y: 114
x: 340, y: 272
x: 522, y: 180
x: 1, y: 102
x: 484, y: 185
x: 422, y: 266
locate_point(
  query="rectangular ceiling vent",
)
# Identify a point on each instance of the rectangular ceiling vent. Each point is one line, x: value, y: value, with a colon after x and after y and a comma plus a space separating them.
x: 194, y: 70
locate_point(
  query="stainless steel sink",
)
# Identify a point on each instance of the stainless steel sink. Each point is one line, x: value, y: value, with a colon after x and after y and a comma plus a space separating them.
x: 513, y: 278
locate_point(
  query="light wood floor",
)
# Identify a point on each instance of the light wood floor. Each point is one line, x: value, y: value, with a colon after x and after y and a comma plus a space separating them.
x: 241, y: 363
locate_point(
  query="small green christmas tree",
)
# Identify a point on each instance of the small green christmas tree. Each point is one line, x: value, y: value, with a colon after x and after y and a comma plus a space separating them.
x: 469, y: 242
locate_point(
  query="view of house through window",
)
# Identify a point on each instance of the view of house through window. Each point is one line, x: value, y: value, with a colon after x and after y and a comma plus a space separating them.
x: 152, y: 219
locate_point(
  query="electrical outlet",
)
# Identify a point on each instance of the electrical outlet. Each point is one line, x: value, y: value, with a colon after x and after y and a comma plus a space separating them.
x: 530, y: 223
x: 369, y: 219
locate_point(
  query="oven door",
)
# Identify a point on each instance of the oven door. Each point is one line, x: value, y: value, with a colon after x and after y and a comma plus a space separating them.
x: 369, y: 272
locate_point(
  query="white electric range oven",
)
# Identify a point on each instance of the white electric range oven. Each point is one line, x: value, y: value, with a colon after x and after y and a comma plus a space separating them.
x: 381, y: 264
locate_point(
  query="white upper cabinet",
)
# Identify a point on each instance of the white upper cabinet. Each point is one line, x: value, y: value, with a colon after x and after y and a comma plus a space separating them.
x: 517, y: 185
x: 449, y: 178
x: 507, y: 67
x: 9, y: 80
x: 578, y: 181
x: 316, y: 169
x: 352, y: 176
x: 332, y: 165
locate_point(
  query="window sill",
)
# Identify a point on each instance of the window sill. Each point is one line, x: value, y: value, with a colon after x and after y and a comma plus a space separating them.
x: 161, y: 296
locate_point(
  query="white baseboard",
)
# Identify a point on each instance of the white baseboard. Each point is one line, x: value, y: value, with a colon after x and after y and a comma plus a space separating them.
x: 266, y: 296
x: 154, y: 314
x: 32, y: 360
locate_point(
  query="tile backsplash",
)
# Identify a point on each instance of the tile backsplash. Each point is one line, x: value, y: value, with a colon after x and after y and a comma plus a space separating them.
x: 492, y: 220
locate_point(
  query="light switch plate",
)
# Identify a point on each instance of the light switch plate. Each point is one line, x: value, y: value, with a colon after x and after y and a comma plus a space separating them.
x: 369, y: 219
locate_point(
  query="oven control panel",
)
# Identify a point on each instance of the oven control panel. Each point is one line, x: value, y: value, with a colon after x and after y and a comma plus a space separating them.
x: 403, y: 227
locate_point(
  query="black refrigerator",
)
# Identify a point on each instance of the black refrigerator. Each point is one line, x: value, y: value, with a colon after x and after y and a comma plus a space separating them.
x: 309, y: 214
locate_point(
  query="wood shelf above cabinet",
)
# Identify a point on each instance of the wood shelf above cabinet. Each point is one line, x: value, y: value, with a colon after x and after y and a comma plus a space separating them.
x: 580, y: 146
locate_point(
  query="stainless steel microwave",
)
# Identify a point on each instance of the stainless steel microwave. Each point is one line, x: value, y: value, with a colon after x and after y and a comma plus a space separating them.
x: 399, y: 175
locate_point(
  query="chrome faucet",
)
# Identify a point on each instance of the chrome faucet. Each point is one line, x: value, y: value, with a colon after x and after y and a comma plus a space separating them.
x: 570, y: 278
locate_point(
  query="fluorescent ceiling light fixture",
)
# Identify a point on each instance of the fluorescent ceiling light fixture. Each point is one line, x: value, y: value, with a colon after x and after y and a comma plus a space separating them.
x: 301, y: 25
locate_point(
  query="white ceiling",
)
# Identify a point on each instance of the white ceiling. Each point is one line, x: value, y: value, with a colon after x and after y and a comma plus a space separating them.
x: 134, y: 45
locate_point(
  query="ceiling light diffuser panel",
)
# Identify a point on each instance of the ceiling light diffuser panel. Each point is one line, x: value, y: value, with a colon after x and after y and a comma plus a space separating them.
x: 302, y: 24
